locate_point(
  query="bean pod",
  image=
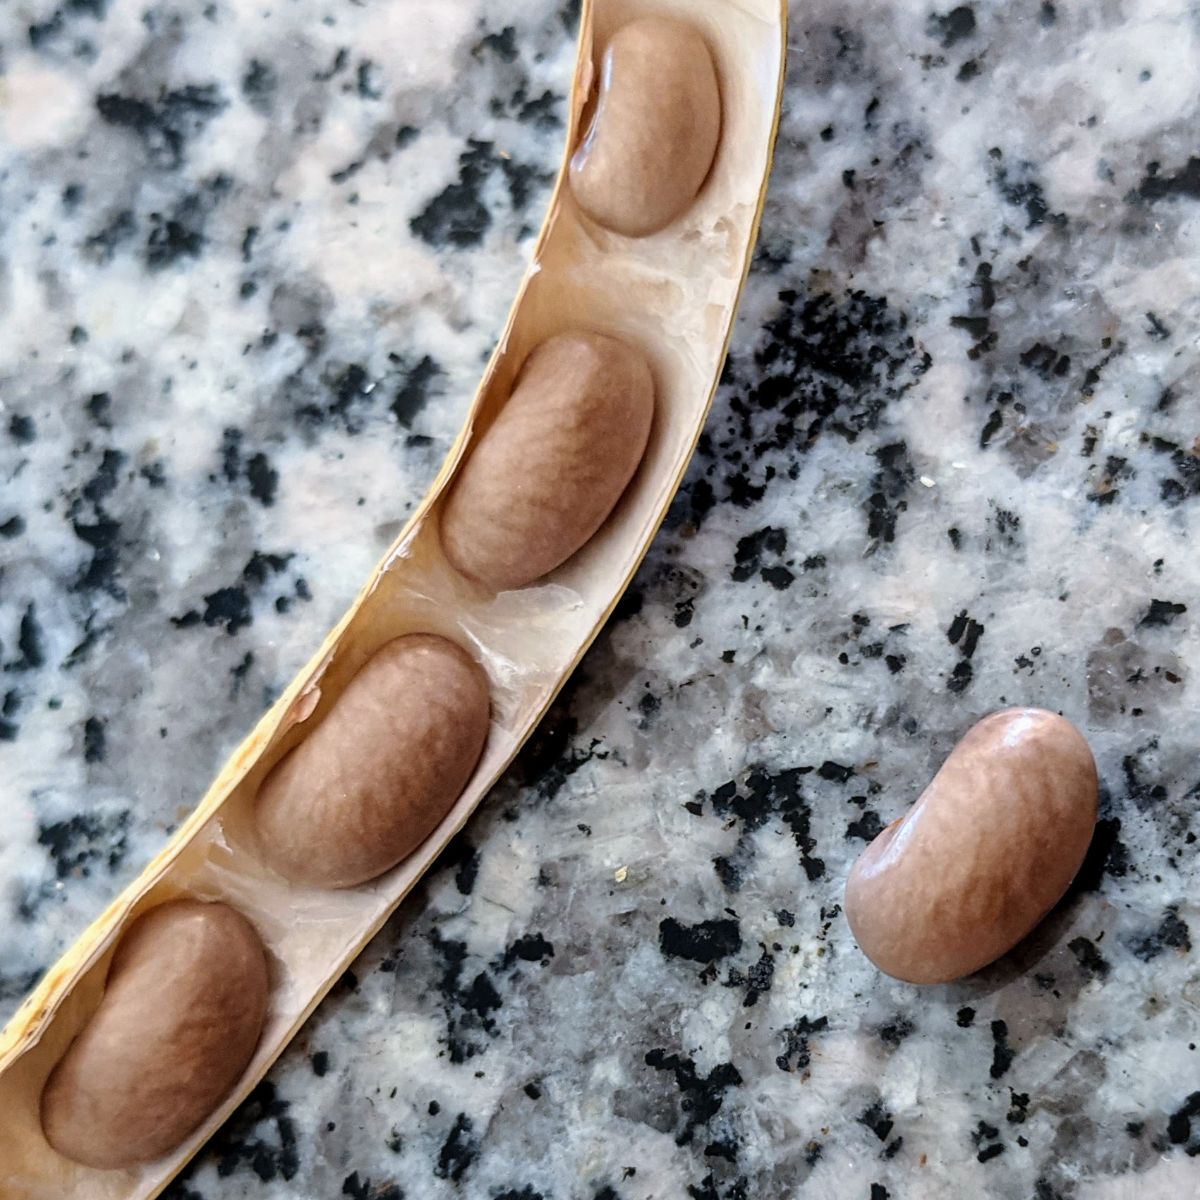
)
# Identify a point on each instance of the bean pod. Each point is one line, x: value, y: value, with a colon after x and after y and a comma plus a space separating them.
x: 146, y: 1034
x: 983, y: 855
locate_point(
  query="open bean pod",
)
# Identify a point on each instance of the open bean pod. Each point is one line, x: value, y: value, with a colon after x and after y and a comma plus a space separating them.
x: 378, y: 752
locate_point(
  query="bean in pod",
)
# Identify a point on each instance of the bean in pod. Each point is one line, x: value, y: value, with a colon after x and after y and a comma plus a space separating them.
x: 376, y: 776
x: 182, y: 1012
x: 546, y: 475
x: 654, y: 133
x: 988, y: 849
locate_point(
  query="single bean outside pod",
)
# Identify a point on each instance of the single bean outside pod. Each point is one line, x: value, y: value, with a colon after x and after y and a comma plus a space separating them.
x: 546, y: 475
x: 379, y: 772
x: 183, y: 1009
x: 988, y: 849
x: 655, y: 129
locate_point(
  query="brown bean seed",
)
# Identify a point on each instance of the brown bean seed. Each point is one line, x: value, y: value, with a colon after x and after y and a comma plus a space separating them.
x: 988, y: 849
x: 545, y: 476
x: 182, y: 1012
x: 655, y: 130
x: 385, y: 765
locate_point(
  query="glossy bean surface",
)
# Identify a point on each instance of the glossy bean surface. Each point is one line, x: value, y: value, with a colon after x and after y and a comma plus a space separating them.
x: 546, y: 475
x: 983, y: 855
x: 182, y: 1011
x: 380, y: 770
x: 655, y: 129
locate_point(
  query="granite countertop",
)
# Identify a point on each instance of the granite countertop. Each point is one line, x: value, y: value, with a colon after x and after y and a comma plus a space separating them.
x: 253, y: 255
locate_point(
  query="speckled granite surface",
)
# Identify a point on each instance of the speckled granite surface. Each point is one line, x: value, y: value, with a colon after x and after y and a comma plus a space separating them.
x: 252, y: 256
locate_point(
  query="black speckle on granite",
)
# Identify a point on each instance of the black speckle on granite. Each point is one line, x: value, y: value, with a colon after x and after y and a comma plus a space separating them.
x: 30, y: 645
x: 100, y: 574
x: 763, y: 796
x: 21, y: 429
x: 457, y: 216
x: 705, y: 942
x: 414, y: 389
x: 468, y: 1004
x: 180, y: 235
x: 756, y: 980
x: 104, y: 482
x: 891, y: 485
x: 464, y: 859
x: 1162, y: 613
x: 966, y: 630
x: 1172, y: 933
x: 550, y: 757
x: 532, y: 948
x: 1002, y: 1053
x: 99, y: 409
x: 241, y: 670
x: 94, y: 746
x: 893, y: 1032
x: 1157, y: 331
x: 1019, y: 187
x: 796, y: 1054
x: 753, y: 548
x: 1091, y: 962
x: 76, y: 845
x: 961, y: 676
x: 1045, y: 362
x: 865, y: 828
x: 166, y: 123
x: 102, y: 245
x: 701, y: 1096
x: 503, y: 45
x: 42, y: 32
x: 9, y: 708
x: 1179, y: 1125
x: 985, y: 1132
x: 991, y: 427
x: 459, y: 1151
x: 878, y: 1120
x: 259, y: 83
x: 232, y: 607
x: 835, y: 772
x: 1106, y: 855
x: 823, y: 365
x: 260, y: 476
x: 954, y: 26
x: 263, y: 479
x: 1144, y: 792
x: 367, y: 1189
x: 367, y: 84
x: 1185, y: 182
